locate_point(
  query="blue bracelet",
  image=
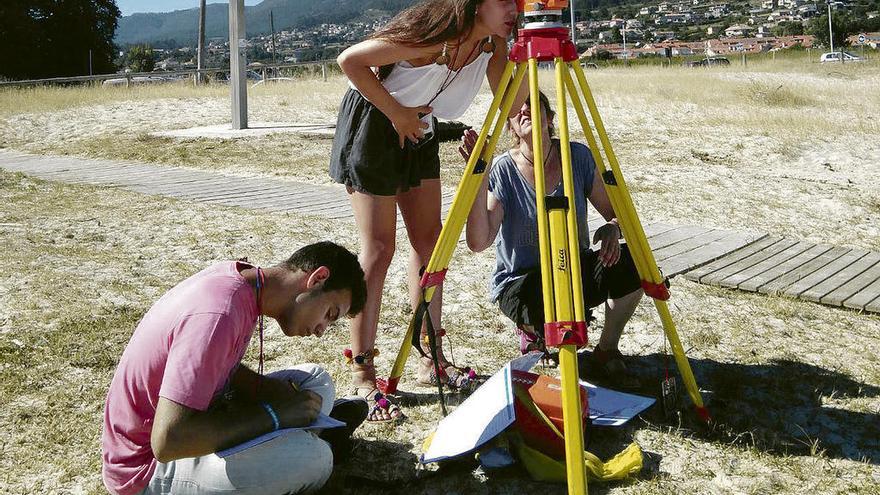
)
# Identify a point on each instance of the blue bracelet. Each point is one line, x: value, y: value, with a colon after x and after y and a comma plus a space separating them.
x: 276, y: 424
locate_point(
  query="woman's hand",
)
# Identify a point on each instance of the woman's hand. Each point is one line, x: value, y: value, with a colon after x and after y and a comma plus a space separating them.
x: 468, y: 141
x: 608, y: 235
x: 407, y: 122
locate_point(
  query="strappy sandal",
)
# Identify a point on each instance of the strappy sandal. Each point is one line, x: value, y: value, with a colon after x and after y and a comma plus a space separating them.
x: 530, y: 342
x: 378, y: 403
x: 456, y: 378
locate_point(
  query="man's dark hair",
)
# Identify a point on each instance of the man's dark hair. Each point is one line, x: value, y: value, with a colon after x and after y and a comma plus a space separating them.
x: 345, y: 270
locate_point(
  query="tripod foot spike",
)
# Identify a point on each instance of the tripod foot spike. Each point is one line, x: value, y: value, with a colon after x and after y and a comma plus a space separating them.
x: 703, y: 413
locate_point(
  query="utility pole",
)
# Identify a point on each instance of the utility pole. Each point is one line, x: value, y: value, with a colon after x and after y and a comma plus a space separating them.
x: 272, y: 27
x: 623, y: 32
x: 830, y: 33
x: 200, y: 54
x: 237, y: 64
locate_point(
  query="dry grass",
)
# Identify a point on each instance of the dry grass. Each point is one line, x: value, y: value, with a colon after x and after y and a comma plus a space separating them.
x: 795, y: 386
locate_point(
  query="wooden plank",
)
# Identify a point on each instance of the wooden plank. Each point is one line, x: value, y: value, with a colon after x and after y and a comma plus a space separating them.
x: 824, y: 273
x: 251, y: 194
x: 775, y: 266
x: 67, y: 174
x: 780, y: 284
x: 53, y: 169
x: 237, y: 189
x: 185, y: 191
x: 849, y: 271
x: 94, y: 172
x: 105, y: 174
x: 195, y: 187
x: 871, y: 292
x: 328, y: 205
x: 127, y: 180
x: 172, y: 184
x: 31, y: 165
x: 308, y: 198
x: 679, y: 234
x: 792, y: 264
x: 699, y: 273
x: 760, y: 273
x: 687, y: 245
x: 654, y: 229
x: 747, y: 262
x: 713, y: 251
x: 873, y: 306
x: 856, y: 283
x: 280, y: 200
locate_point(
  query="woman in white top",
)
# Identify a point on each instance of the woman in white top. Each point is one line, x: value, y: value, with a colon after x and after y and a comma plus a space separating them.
x: 430, y: 61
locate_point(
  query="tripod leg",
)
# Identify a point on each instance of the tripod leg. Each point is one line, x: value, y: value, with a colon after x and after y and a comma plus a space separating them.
x: 577, y: 291
x: 540, y: 194
x: 461, y: 205
x: 557, y: 278
x: 635, y: 234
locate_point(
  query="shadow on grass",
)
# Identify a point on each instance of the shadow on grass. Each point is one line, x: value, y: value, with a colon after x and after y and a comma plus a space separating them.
x: 780, y: 407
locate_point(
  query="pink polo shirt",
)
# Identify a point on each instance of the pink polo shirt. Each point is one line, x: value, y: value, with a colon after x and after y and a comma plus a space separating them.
x: 184, y: 349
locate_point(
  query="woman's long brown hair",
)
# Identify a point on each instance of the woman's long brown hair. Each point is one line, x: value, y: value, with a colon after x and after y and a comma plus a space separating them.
x: 427, y: 23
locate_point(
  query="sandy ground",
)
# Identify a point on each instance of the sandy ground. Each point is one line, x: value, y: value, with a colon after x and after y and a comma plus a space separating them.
x: 795, y: 386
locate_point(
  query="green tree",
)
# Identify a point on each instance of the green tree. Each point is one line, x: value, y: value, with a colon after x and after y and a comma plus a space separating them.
x: 616, y: 36
x: 788, y: 28
x: 841, y: 24
x: 54, y: 38
x: 140, y: 58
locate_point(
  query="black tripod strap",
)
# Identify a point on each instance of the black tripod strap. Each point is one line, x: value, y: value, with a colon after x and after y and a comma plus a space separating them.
x: 421, y: 312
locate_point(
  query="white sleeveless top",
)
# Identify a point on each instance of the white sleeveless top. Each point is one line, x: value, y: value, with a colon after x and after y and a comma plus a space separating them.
x: 415, y: 86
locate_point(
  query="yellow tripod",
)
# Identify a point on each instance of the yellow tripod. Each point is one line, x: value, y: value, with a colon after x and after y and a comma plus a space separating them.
x: 557, y: 227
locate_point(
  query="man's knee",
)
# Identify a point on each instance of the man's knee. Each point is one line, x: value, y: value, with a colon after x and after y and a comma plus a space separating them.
x: 310, y: 376
x: 320, y: 467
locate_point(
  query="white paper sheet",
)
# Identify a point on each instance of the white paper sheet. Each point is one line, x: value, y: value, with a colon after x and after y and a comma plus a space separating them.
x: 323, y: 422
x: 613, y: 408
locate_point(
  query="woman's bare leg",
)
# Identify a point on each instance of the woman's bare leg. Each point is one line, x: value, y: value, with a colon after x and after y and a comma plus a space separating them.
x: 376, y: 219
x: 420, y: 208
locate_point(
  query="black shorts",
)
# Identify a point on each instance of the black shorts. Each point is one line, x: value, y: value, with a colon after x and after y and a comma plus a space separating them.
x: 523, y: 302
x: 366, y: 154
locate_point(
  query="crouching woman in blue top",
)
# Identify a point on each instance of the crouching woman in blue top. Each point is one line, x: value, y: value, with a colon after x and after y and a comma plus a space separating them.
x: 506, y: 204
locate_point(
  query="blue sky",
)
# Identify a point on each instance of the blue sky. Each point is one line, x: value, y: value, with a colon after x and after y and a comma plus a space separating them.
x: 129, y: 7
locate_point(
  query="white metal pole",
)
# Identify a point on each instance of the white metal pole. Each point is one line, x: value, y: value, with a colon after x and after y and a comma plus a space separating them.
x: 573, y: 29
x: 625, y: 58
x: 830, y: 33
x: 237, y: 64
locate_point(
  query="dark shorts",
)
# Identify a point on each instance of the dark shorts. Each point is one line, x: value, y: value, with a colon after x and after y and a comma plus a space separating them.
x: 523, y: 302
x: 366, y: 154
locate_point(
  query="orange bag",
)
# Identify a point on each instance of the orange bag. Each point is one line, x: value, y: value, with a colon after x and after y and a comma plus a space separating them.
x: 537, y: 399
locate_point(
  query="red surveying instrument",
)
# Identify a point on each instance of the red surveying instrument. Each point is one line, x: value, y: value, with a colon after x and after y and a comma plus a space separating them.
x: 543, y: 38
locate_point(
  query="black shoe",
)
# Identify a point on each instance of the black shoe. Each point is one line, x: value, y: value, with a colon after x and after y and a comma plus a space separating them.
x: 609, y: 367
x: 352, y: 411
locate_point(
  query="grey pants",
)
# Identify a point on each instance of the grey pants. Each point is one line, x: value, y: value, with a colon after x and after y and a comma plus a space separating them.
x: 298, y: 462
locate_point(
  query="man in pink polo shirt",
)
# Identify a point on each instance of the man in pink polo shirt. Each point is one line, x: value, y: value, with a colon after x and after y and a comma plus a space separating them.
x: 180, y: 393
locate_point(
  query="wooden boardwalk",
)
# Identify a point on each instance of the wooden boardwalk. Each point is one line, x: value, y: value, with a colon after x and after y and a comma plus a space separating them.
x: 750, y: 261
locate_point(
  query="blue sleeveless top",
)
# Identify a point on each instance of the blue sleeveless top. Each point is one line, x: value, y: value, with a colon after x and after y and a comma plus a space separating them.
x: 516, y: 247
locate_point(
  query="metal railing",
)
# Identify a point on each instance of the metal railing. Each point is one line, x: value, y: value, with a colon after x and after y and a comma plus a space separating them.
x: 130, y: 76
